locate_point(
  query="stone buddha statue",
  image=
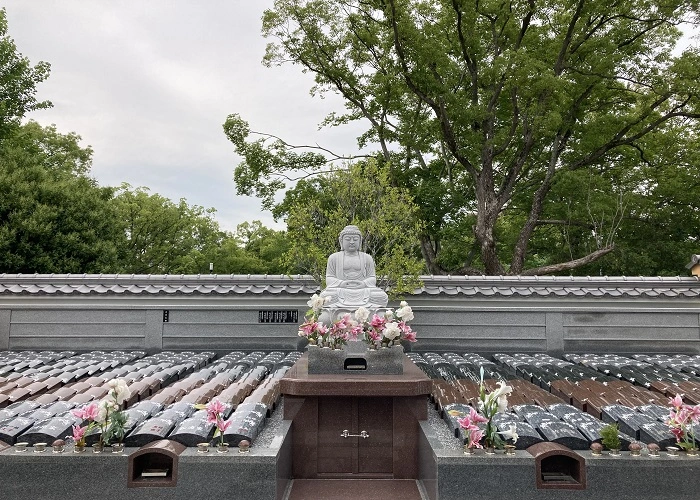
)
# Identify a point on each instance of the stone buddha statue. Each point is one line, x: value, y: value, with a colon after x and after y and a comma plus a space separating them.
x: 350, y: 278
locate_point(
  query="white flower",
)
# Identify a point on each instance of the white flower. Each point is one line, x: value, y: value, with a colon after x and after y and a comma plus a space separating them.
x: 502, y: 403
x: 499, y: 397
x: 403, y: 303
x: 389, y: 314
x: 405, y: 313
x: 503, y: 390
x: 102, y: 411
x: 510, y: 433
x: 362, y: 314
x: 119, y: 390
x: 316, y: 303
x: 391, y: 331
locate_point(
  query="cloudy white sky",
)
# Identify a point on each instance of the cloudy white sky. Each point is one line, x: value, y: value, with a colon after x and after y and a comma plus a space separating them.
x: 149, y: 83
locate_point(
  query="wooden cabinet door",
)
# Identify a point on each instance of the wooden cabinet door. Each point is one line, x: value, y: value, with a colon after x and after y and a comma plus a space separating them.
x: 340, y: 456
x: 376, y: 453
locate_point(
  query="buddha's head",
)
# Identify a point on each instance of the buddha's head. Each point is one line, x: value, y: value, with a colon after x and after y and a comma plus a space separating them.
x: 350, y: 239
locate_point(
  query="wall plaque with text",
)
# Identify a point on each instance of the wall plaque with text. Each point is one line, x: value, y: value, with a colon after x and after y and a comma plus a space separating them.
x: 278, y: 316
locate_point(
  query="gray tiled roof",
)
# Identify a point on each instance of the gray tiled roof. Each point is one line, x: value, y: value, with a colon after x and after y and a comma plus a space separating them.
x: 562, y: 286
x: 56, y: 284
x: 480, y: 286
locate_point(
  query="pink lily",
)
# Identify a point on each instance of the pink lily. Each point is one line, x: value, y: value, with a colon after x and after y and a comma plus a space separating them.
x: 78, y: 433
x: 677, y: 401
x: 475, y: 417
x: 467, y: 424
x: 475, y: 436
x: 222, y: 425
x: 377, y: 321
x: 694, y: 413
x: 215, y: 406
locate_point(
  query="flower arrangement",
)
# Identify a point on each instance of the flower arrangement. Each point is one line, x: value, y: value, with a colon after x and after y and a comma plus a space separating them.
x: 489, y: 405
x: 114, y: 421
x: 215, y: 415
x: 381, y: 330
x: 87, y: 414
x: 681, y: 420
x: 313, y: 330
x: 470, y: 424
x: 106, y: 415
x: 341, y: 332
x: 385, y: 330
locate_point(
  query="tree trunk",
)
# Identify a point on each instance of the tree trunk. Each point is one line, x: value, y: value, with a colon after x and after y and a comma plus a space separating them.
x: 428, y: 252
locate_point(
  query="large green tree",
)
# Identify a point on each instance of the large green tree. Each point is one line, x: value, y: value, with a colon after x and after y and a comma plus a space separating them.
x: 161, y: 236
x: 18, y: 81
x: 54, y: 218
x: 498, y: 115
x: 317, y: 210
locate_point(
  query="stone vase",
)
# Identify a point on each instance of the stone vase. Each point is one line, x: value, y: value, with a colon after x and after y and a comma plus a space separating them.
x: 79, y: 448
x: 222, y: 448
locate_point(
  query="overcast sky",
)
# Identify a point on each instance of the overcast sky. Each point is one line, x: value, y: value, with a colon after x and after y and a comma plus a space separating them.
x: 149, y: 83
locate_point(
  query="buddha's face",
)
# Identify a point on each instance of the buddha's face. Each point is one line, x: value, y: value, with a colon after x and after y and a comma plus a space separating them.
x: 351, y: 242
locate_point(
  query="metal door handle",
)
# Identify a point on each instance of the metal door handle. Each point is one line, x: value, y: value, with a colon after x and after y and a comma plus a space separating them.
x: 346, y: 434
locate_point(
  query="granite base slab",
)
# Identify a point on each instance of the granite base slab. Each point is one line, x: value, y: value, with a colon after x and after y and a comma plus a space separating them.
x: 263, y: 473
x: 446, y: 473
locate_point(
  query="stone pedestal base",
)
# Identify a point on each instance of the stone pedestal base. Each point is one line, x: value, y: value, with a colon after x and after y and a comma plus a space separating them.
x: 354, y: 359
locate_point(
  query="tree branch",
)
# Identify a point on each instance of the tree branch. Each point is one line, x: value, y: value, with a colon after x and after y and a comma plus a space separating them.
x: 566, y: 266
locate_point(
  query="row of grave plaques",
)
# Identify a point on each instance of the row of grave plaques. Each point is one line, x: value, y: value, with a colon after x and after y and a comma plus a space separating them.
x: 551, y: 419
x: 160, y: 410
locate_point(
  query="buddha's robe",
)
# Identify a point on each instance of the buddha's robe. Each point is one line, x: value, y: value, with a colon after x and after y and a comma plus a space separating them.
x: 362, y: 290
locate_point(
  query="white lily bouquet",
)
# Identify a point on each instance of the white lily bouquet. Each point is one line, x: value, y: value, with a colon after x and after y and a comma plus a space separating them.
x: 490, y: 404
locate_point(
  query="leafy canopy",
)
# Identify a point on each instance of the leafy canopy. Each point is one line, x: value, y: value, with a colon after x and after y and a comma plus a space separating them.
x: 495, y: 107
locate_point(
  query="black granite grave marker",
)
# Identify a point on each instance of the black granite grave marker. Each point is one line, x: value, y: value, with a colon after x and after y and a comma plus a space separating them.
x: 561, y: 410
x: 452, y: 412
x: 564, y: 434
x: 20, y: 408
x: 523, y: 410
x: 246, y: 423
x: 504, y: 418
x: 10, y: 431
x: 48, y: 431
x: 658, y: 433
x: 610, y: 414
x: 590, y: 430
x: 656, y: 412
x: 579, y: 418
x: 193, y: 430
x: 536, y: 419
x: 51, y: 410
x: 630, y: 423
x: 527, y: 434
x: 153, y: 429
